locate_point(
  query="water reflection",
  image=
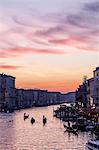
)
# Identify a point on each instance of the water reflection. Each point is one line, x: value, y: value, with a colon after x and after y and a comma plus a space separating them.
x: 17, y: 134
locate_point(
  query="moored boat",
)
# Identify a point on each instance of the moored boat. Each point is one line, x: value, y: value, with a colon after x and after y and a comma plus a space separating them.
x: 90, y: 128
x: 93, y: 144
x: 70, y: 129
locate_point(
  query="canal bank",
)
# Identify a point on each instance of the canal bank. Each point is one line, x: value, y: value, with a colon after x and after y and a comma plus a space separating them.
x: 17, y: 134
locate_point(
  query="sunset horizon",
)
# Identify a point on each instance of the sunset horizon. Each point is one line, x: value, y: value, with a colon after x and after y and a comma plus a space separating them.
x: 62, y: 86
x: 50, y: 44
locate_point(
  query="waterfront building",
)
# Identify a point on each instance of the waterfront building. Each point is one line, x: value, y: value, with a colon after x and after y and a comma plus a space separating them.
x: 31, y: 97
x: 69, y: 97
x: 96, y: 86
x: 54, y: 98
x: 90, y: 92
x: 19, y: 98
x: 51, y: 98
x: 25, y: 98
x: 58, y: 98
x: 42, y: 98
x: 7, y: 91
x: 93, y: 88
x: 81, y: 95
x: 36, y: 96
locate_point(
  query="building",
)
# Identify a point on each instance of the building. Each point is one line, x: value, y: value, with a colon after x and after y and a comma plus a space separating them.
x: 27, y: 98
x: 69, y: 97
x: 54, y: 98
x: 90, y: 92
x: 7, y: 91
x: 42, y: 98
x: 96, y: 86
x: 81, y: 95
x: 24, y: 98
x: 36, y: 96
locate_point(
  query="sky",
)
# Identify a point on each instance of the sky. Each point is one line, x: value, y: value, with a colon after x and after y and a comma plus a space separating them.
x: 49, y: 44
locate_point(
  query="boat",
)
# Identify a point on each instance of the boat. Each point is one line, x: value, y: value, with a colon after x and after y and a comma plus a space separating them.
x: 32, y: 120
x: 74, y: 126
x: 90, y: 128
x: 70, y: 129
x: 44, y: 120
x: 93, y: 144
x: 26, y: 116
x: 81, y: 124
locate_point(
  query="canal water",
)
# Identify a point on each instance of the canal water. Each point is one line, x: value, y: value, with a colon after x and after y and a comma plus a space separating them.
x: 17, y: 134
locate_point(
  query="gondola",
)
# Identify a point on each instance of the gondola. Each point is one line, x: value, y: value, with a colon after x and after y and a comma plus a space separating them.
x: 70, y: 129
x: 25, y: 116
x: 44, y: 120
x: 32, y: 120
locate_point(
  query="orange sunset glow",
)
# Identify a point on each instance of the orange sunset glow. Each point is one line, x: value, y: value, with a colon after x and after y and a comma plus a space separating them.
x: 49, y: 48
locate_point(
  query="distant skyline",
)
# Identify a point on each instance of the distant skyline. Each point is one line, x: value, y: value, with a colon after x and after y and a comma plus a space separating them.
x: 49, y: 44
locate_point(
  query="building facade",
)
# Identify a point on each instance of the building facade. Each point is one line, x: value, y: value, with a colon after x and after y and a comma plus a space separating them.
x: 7, y: 91
x: 88, y: 93
x: 41, y: 96
x: 81, y: 95
x: 54, y: 98
x: 24, y: 98
x: 96, y: 86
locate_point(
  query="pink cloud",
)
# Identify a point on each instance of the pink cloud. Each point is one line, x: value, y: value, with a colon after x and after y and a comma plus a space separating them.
x: 10, y: 67
x: 87, y: 42
x: 80, y: 29
x: 22, y: 50
x: 14, y: 52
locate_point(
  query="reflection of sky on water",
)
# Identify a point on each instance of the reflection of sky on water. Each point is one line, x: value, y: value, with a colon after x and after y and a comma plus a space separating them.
x: 17, y: 134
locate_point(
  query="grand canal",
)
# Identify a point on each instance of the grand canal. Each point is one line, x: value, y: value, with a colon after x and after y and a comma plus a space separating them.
x: 17, y: 134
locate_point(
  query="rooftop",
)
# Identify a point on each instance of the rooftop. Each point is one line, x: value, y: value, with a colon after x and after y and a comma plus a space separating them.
x: 97, y: 68
x: 4, y: 75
